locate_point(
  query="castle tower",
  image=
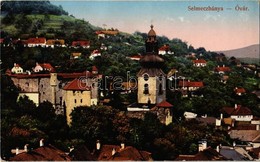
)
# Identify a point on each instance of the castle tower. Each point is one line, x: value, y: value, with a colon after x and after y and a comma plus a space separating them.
x: 151, y: 78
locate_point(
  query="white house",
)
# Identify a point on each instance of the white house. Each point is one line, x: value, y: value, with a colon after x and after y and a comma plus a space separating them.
x: 94, y: 54
x: 17, y: 69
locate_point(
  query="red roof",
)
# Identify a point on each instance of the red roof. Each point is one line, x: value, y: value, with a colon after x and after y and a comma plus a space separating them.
x: 44, y: 153
x: 94, y: 68
x: 16, y: 65
x: 47, y: 66
x: 125, y: 154
x: 224, y: 69
x: 36, y: 40
x: 136, y: 56
x: 2, y: 40
x: 95, y: 52
x: 77, y: 85
x: 240, y: 90
x: 200, y: 61
x: 190, y: 84
x: 80, y: 43
x: 240, y: 110
x: 164, y: 48
x: 164, y: 104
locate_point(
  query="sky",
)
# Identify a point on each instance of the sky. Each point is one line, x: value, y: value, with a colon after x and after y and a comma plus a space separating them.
x: 214, y: 30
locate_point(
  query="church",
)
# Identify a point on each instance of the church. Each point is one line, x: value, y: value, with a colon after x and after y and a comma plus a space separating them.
x: 151, y: 95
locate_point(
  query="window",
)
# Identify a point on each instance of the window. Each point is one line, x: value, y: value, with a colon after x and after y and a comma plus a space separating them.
x: 160, y: 89
x: 75, y: 101
x: 146, y: 77
x: 161, y: 77
x: 81, y: 100
x: 146, y: 89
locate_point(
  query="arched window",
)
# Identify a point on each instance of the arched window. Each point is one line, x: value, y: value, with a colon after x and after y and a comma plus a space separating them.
x: 160, y: 89
x: 146, y: 77
x: 146, y: 89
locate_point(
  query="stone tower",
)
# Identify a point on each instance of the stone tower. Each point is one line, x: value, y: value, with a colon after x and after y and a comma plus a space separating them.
x: 151, y: 78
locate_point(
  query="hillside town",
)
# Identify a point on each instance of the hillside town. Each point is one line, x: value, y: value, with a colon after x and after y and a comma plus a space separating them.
x: 120, y: 97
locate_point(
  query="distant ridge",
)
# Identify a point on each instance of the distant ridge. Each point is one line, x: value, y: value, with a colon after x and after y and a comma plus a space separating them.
x: 245, y: 52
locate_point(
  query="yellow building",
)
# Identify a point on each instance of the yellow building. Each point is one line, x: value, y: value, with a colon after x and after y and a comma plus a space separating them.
x: 78, y: 93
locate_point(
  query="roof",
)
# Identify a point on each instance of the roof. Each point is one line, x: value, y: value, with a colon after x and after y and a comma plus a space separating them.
x: 80, y: 43
x: 82, y: 153
x: 44, y: 153
x: 240, y: 110
x: 47, y: 66
x: 199, y: 61
x: 164, y: 48
x: 239, y: 90
x: 94, y: 68
x: 207, y: 154
x: 232, y: 153
x: 224, y: 69
x: 62, y: 75
x: 36, y: 41
x: 95, y: 52
x: 127, y: 153
x: 190, y: 84
x: 164, y: 104
x: 244, y: 135
x: 16, y: 65
x: 77, y: 85
x: 55, y: 41
x: 151, y: 32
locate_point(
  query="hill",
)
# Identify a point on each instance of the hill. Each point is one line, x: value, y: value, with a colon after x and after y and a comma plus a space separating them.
x: 246, y: 52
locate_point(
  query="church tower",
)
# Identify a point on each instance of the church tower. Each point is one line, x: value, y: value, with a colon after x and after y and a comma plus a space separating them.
x: 151, y: 78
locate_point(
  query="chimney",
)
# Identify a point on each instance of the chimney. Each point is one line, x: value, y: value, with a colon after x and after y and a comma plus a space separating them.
x: 113, y: 151
x: 98, y: 145
x: 257, y: 127
x: 235, y: 106
x: 16, y: 151
x: 41, y: 142
x: 123, y: 145
x: 221, y: 116
x: 26, y: 147
x: 223, y: 65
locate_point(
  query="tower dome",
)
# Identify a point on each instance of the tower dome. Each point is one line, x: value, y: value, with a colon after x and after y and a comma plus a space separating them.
x: 151, y: 32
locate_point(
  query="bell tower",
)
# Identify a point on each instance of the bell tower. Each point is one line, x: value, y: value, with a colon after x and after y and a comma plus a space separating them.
x: 151, y: 78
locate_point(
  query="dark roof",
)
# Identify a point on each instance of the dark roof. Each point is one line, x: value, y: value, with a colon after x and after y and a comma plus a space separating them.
x: 152, y: 72
x: 207, y: 154
x: 231, y: 153
x: 82, y: 153
x: 127, y: 153
x: 44, y: 153
x: 240, y: 110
